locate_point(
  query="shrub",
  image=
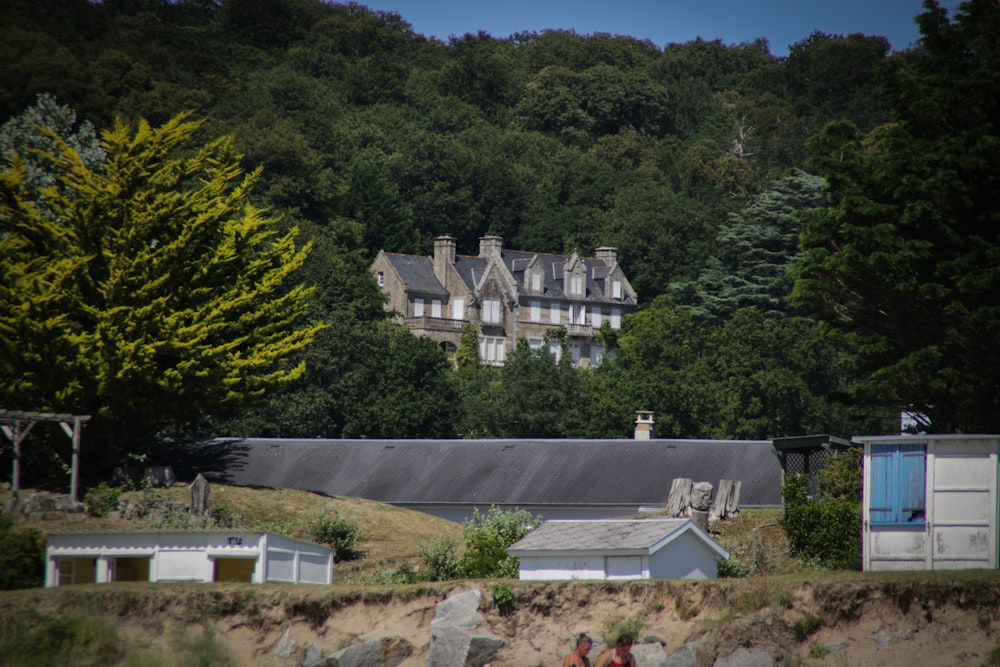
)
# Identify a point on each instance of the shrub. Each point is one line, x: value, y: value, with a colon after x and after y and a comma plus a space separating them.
x: 487, y: 537
x: 102, y: 499
x: 404, y: 574
x: 825, y: 532
x: 22, y: 556
x: 440, y: 556
x: 617, y: 626
x: 503, y: 598
x: 340, y: 532
x: 806, y: 626
x: 36, y: 638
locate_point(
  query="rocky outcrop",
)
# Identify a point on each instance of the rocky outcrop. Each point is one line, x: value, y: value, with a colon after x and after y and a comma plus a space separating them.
x: 455, y: 640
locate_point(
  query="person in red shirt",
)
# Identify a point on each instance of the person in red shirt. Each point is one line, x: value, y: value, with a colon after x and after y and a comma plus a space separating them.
x: 619, y: 656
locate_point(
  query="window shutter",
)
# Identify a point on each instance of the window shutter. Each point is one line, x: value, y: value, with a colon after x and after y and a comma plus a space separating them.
x: 880, y: 496
x: 911, y: 482
x: 898, y: 475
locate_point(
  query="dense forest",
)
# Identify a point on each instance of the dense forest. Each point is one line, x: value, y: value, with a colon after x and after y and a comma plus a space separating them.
x: 813, y: 238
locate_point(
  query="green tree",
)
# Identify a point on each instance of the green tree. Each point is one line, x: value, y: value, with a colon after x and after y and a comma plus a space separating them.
x: 903, y: 264
x: 755, y: 248
x: 36, y: 131
x: 487, y: 536
x: 533, y: 395
x: 158, y: 295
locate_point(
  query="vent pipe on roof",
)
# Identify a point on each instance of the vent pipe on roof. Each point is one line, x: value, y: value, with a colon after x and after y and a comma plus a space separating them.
x: 645, y: 425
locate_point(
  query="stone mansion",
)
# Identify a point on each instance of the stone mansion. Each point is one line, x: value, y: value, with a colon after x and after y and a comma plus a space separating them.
x: 507, y: 295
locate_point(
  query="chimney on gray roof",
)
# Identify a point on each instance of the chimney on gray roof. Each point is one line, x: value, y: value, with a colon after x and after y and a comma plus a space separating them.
x: 609, y: 255
x: 490, y: 245
x: 645, y: 426
x: 444, y: 256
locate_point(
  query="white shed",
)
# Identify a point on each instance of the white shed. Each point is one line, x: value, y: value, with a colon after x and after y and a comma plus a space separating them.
x: 930, y: 502
x: 205, y: 556
x: 618, y: 549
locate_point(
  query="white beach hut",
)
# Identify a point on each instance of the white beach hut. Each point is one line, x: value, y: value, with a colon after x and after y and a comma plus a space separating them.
x: 204, y: 556
x: 930, y: 502
x: 618, y: 549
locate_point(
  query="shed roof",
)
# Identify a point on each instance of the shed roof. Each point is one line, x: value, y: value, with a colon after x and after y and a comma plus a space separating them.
x: 608, y: 536
x: 483, y: 472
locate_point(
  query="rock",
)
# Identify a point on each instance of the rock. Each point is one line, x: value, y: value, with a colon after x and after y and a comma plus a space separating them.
x: 649, y: 655
x: 453, y: 642
x: 199, y: 495
x: 13, y: 506
x: 385, y: 652
x: 482, y: 649
x: 286, y: 647
x: 160, y: 476
x: 653, y: 639
x: 746, y: 657
x: 40, y: 503
x: 685, y: 656
x: 881, y: 638
x: 313, y: 657
x: 701, y: 496
x: 838, y: 646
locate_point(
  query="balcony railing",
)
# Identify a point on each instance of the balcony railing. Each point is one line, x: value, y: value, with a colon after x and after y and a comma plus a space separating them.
x: 434, y: 323
x: 580, y: 330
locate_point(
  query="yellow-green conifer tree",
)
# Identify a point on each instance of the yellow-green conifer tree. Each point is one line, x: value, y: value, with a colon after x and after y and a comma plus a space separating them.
x: 149, y: 292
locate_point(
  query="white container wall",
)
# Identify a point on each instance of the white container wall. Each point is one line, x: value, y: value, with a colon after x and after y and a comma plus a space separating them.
x: 239, y: 556
x: 930, y: 502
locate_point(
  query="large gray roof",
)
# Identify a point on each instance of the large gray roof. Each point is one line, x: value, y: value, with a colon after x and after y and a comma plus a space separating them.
x: 484, y: 472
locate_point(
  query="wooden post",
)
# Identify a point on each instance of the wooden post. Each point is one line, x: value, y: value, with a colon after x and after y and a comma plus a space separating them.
x: 16, y: 435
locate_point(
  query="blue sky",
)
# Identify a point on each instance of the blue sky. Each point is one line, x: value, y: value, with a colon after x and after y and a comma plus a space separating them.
x: 782, y: 22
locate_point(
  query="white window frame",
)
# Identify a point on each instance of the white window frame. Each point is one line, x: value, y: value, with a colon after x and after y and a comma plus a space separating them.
x: 458, y: 308
x: 577, y: 313
x: 536, y: 311
x: 615, y: 319
x: 436, y: 308
x: 555, y: 313
x: 535, y: 343
x: 418, y: 307
x: 491, y: 311
x: 381, y: 279
x: 492, y: 350
x: 576, y: 285
x: 616, y: 289
x: 555, y: 348
x: 536, y: 281
x: 595, y: 317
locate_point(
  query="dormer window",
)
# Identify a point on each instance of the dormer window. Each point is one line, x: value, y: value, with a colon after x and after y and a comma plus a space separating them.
x: 381, y: 279
x: 576, y: 285
x: 536, y: 282
x: 616, y: 289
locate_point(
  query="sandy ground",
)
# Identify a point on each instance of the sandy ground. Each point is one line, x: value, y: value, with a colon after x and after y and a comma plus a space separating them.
x: 857, y: 626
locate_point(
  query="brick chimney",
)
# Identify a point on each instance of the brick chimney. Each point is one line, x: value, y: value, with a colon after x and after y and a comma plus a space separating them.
x: 444, y: 256
x: 490, y: 246
x: 645, y: 425
x: 609, y: 255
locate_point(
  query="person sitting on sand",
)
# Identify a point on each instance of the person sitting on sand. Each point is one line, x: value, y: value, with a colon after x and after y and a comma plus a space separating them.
x: 578, y: 658
x: 619, y: 656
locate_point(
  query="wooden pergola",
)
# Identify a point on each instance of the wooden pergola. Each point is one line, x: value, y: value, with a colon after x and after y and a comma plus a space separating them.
x: 16, y: 425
